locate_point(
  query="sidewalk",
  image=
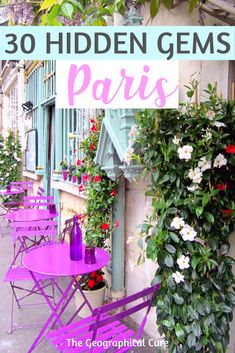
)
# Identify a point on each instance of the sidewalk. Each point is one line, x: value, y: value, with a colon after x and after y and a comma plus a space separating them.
x: 21, y: 338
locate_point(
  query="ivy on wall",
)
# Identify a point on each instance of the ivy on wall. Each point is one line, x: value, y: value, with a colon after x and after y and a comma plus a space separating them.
x: 190, y: 155
x: 10, y: 159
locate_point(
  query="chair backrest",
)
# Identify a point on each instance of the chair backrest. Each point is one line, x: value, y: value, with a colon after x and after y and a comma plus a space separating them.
x: 25, y: 185
x: 31, y: 229
x: 31, y: 201
x: 147, y: 295
x: 40, y: 191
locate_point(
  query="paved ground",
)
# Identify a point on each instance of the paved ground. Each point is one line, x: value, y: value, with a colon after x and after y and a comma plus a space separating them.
x: 22, y: 337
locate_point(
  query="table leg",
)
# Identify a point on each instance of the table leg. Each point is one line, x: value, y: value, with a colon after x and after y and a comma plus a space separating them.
x: 53, y: 308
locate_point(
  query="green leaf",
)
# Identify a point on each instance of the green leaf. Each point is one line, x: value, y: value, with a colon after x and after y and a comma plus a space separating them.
x: 191, y: 340
x: 154, y: 7
x: 170, y: 248
x: 225, y: 308
x: 195, y: 261
x: 179, y: 331
x: 168, y: 260
x: 199, y: 211
x: 168, y: 3
x: 196, y: 329
x: 209, y: 216
x: 177, y: 299
x: 47, y: 4
x: 67, y: 9
x: 157, y: 279
x: 174, y: 237
x: 169, y: 323
x: 192, y: 313
x: 192, y: 5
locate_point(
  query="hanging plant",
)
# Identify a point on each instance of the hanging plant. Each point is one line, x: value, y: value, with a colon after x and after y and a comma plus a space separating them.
x: 190, y: 155
x: 100, y: 191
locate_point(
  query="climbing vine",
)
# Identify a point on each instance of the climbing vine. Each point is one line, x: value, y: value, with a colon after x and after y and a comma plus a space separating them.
x: 10, y: 159
x: 99, y: 191
x: 190, y: 155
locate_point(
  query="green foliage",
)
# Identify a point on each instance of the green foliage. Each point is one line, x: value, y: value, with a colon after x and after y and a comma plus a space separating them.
x: 10, y: 159
x: 100, y: 192
x: 88, y: 12
x: 193, y: 313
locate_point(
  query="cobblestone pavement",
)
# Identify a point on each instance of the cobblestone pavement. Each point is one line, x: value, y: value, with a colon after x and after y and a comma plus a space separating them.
x: 22, y: 337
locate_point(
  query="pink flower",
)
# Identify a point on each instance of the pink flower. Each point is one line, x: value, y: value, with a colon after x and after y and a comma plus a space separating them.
x: 93, y: 128
x: 92, y: 146
x: 230, y: 149
x: 81, y: 188
x: 114, y: 193
x: 104, y: 226
x: 79, y: 162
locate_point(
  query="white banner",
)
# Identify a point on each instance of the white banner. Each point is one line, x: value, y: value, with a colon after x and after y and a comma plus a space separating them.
x: 117, y: 84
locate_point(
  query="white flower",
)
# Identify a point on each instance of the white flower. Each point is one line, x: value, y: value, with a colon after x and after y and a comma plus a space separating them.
x: 183, y: 262
x: 188, y: 233
x: 18, y: 159
x: 185, y: 152
x: 177, y: 223
x: 195, y: 175
x: 218, y: 124
x: 192, y: 188
x: 134, y: 131
x: 128, y: 155
x: 208, y: 135
x: 204, y: 164
x: 176, y: 140
x: 219, y: 161
x: 210, y: 115
x: 178, y: 277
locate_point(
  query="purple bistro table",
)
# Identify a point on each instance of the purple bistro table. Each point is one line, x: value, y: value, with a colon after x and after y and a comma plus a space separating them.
x: 54, y: 260
x: 30, y: 214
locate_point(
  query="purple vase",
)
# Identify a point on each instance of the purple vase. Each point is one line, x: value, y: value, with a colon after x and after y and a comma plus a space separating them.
x: 75, y: 241
x: 65, y: 174
x: 89, y: 255
x: 74, y: 179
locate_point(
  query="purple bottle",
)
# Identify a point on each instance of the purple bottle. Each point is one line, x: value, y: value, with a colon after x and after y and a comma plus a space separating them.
x: 75, y: 241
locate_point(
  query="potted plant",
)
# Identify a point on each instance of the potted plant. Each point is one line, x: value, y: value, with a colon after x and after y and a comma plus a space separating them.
x: 64, y: 167
x: 93, y: 286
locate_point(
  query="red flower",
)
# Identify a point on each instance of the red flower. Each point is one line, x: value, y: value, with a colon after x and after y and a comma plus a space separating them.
x: 221, y: 187
x: 86, y: 177
x: 92, y: 121
x: 97, y: 179
x: 93, y: 128
x: 81, y: 188
x: 105, y: 226
x: 114, y: 193
x: 79, y: 162
x: 99, y: 278
x: 80, y: 217
x: 92, y: 146
x: 230, y: 149
x: 227, y: 213
x: 90, y: 283
x: 92, y: 274
x: 75, y: 150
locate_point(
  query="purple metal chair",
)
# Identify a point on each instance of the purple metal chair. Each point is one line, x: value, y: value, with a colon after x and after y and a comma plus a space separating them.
x: 25, y: 185
x: 26, y: 235
x: 40, y: 191
x: 37, y: 201
x: 103, y: 325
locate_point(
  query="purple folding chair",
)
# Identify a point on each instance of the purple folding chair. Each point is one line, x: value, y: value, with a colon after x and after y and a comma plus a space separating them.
x: 37, y: 201
x: 104, y: 325
x: 40, y: 191
x: 24, y: 235
x: 25, y: 185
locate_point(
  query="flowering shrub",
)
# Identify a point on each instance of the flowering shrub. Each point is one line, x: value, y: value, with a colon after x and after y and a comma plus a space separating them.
x: 10, y: 159
x: 100, y: 192
x: 93, y: 281
x: 190, y: 155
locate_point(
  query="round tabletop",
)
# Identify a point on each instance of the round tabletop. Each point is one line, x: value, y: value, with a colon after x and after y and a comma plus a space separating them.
x: 10, y: 192
x: 54, y: 260
x: 30, y: 214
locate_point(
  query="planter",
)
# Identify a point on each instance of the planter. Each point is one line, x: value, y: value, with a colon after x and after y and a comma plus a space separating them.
x: 74, y: 179
x: 95, y: 297
x: 65, y: 175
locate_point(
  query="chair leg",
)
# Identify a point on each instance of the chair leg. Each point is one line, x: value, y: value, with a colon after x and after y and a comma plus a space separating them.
x: 12, y: 315
x: 14, y: 294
